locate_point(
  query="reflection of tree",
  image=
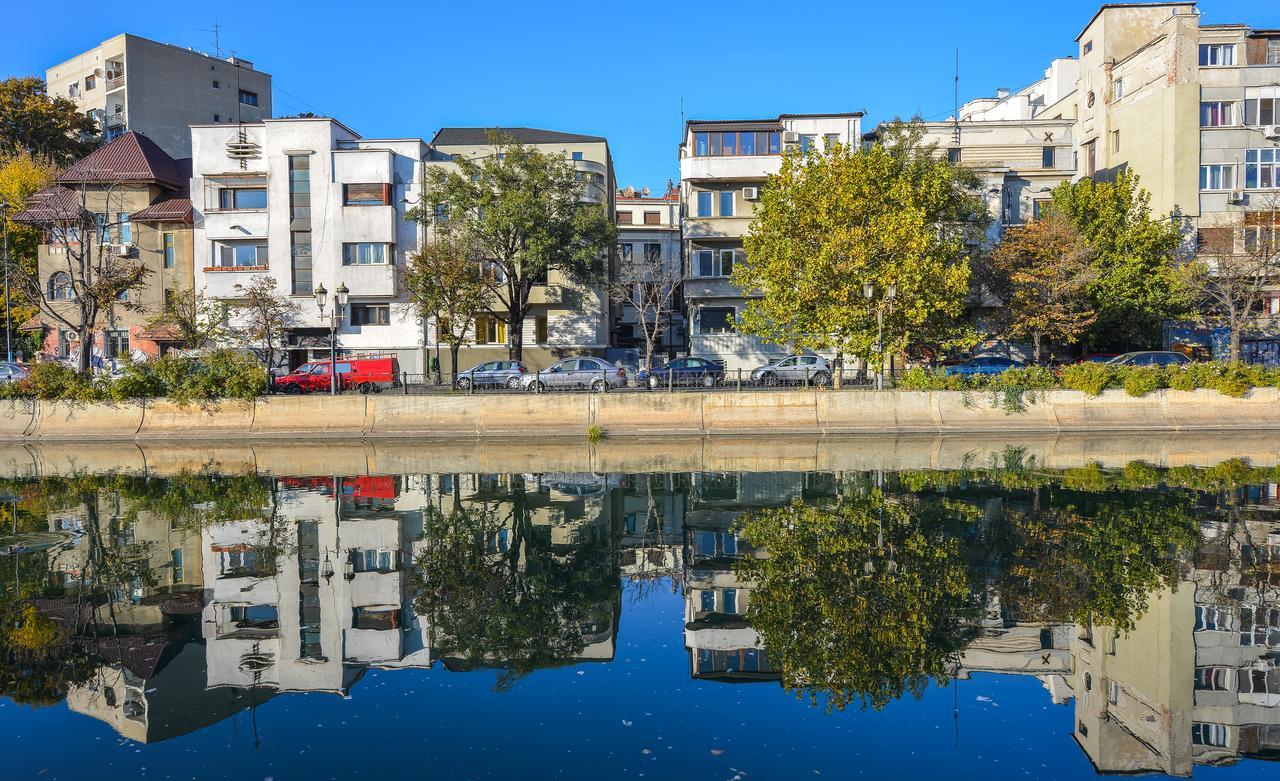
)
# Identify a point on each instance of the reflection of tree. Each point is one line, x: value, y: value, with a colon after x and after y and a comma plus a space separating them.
x: 499, y: 594
x: 865, y: 601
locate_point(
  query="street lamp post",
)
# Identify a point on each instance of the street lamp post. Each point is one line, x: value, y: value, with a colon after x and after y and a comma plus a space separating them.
x: 8, y: 326
x: 869, y: 291
x: 335, y: 319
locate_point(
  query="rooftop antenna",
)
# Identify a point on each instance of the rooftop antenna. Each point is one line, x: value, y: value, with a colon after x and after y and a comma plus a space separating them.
x: 216, y: 29
x: 955, y: 117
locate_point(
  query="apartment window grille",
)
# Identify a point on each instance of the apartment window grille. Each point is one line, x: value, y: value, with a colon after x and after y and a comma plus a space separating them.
x: 1215, y: 55
x: 1262, y: 169
x: 371, y: 314
x: 364, y: 253
x: 1217, y: 113
x: 1217, y: 177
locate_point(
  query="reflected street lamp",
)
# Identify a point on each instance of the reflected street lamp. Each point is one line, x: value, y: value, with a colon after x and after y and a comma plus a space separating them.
x: 869, y: 292
x: 8, y: 326
x: 335, y: 319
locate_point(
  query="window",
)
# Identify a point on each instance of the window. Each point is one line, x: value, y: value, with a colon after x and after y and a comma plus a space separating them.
x: 653, y: 218
x: 540, y: 329
x: 116, y: 343
x: 1217, y: 177
x: 60, y: 288
x: 704, y: 204
x: 124, y: 229
x: 371, y: 314
x: 300, y: 224
x: 1261, y: 169
x: 707, y: 601
x: 175, y: 559
x: 830, y: 140
x: 490, y: 330
x: 248, y: 98
x: 217, y: 117
x: 1273, y: 51
x: 953, y: 154
x: 90, y: 82
x: 238, y: 198
x: 739, y: 143
x: 808, y: 141
x: 726, y: 203
x: 1046, y: 157
x: 374, y: 560
x: 1088, y: 46
x: 730, y: 599
x: 1213, y: 679
x: 1261, y: 238
x: 712, y: 263
x: 623, y: 218
x: 1217, y: 113
x: 1090, y: 158
x: 1117, y: 89
x: 1214, y: 55
x: 1262, y: 106
x: 1115, y: 140
x: 255, y: 616
x: 1209, y: 735
x: 364, y: 254
x: 170, y: 254
x: 217, y: 84
x: 1113, y: 693
x: 717, y: 320
x: 576, y: 155
x: 375, y: 194
x: 626, y: 252
x: 652, y: 253
x: 240, y: 254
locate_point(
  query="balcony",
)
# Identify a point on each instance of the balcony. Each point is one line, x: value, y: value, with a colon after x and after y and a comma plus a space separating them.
x: 756, y: 167
x: 114, y: 118
x: 373, y: 280
x: 228, y: 282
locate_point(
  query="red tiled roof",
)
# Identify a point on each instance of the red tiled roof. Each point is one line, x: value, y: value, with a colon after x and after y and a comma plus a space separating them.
x: 165, y: 332
x: 168, y: 210
x: 52, y: 204
x: 130, y: 158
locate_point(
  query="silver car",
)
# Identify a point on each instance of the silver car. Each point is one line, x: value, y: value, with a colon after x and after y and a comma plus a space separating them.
x: 12, y: 372
x: 810, y: 369
x: 593, y: 373
x: 494, y: 374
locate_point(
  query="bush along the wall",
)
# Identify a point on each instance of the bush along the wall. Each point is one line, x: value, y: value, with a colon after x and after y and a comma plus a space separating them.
x: 219, y: 374
x: 1229, y: 379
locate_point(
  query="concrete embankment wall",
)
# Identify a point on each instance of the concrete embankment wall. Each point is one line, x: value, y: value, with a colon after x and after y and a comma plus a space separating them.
x: 719, y: 413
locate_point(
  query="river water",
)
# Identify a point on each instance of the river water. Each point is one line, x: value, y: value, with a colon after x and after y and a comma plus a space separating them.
x: 1002, y: 618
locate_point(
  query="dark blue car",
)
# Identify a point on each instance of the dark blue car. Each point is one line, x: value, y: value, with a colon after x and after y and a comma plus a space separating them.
x: 986, y: 364
x: 682, y: 372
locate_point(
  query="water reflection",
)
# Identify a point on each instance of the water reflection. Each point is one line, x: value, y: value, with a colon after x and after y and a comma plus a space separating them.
x: 1147, y: 599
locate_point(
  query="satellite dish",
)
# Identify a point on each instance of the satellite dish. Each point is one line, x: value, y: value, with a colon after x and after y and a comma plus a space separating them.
x: 645, y: 192
x: 98, y: 72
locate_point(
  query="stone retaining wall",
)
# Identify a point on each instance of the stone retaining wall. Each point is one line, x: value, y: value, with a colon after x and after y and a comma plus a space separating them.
x: 639, y: 414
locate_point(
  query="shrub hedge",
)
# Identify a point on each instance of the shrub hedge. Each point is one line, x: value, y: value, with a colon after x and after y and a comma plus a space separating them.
x: 1229, y: 379
x: 219, y: 374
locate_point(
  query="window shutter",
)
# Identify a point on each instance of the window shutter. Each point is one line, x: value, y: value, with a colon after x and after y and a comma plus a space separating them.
x: 386, y: 194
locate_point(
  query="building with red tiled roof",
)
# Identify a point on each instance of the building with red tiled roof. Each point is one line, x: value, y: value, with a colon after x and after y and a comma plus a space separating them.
x: 139, y: 195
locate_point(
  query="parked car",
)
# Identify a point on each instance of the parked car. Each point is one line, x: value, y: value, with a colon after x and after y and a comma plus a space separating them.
x: 595, y: 373
x: 370, y: 374
x: 1096, y: 358
x: 682, y: 372
x: 12, y: 372
x: 984, y: 364
x: 1150, y: 358
x: 494, y: 374
x: 812, y: 369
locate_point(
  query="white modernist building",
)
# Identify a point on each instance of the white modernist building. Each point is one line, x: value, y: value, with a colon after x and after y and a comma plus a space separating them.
x: 308, y: 203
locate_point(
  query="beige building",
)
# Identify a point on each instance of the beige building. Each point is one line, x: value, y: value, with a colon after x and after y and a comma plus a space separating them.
x: 564, y: 318
x: 140, y: 198
x: 649, y: 231
x: 131, y: 83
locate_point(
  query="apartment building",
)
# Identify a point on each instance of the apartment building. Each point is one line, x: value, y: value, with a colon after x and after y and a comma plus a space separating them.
x: 564, y: 317
x: 310, y: 203
x: 723, y: 165
x: 140, y: 198
x: 159, y: 90
x: 649, y: 235
x: 1194, y: 110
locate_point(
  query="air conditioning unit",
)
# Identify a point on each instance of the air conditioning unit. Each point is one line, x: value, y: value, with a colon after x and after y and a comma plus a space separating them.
x: 124, y: 250
x: 751, y: 193
x: 1272, y: 132
x: 1236, y: 197
x: 790, y: 137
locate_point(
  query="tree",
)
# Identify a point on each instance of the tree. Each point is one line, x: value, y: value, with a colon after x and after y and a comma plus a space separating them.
x: 265, y: 317
x: 648, y: 285
x: 525, y: 211
x: 1232, y: 282
x: 1136, y: 285
x: 1045, y: 269
x: 862, y: 602
x: 444, y: 282
x: 198, y: 322
x: 834, y: 220
x: 34, y: 123
x: 89, y: 280
x: 22, y: 175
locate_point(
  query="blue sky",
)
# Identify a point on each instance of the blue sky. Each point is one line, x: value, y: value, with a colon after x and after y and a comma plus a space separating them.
x: 612, y: 69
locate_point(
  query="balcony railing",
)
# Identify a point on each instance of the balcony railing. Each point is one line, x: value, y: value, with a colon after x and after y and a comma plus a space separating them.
x: 114, y: 119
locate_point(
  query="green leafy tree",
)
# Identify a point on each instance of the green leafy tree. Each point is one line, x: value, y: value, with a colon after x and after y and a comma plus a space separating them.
x: 264, y: 318
x: 33, y: 122
x: 444, y: 281
x: 524, y: 210
x: 834, y: 220
x: 22, y: 175
x: 1136, y: 284
x: 197, y: 321
x: 863, y: 602
x: 1045, y: 269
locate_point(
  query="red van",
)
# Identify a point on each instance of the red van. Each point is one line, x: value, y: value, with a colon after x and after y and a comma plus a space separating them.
x: 367, y: 374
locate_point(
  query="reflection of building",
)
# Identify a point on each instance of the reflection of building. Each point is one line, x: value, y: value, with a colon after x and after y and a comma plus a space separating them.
x: 308, y: 597
x: 653, y: 508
